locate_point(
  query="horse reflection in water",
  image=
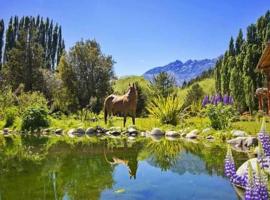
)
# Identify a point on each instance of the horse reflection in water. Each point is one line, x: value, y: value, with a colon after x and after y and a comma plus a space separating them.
x: 131, y: 164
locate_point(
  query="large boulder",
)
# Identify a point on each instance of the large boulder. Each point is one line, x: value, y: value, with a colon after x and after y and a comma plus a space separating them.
x: 243, y: 142
x: 157, y: 132
x: 238, y: 133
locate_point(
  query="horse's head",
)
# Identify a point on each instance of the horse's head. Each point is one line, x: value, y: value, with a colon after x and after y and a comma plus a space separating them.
x: 132, y: 90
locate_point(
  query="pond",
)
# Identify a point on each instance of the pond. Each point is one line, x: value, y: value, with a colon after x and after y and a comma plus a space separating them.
x: 118, y: 169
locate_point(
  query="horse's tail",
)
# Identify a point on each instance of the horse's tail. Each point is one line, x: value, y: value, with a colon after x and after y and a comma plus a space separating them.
x: 105, y: 114
x: 105, y: 110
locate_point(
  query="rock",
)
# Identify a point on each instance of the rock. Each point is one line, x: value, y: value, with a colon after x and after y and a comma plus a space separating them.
x: 238, y: 133
x: 6, y: 131
x: 206, y: 130
x: 58, y: 131
x: 191, y: 135
x: 132, y: 131
x: 156, y: 138
x: 157, y: 132
x: 99, y: 129
x: 195, y: 131
x: 250, y: 141
x: 71, y: 131
x: 243, y: 142
x: 209, y: 137
x: 243, y: 169
x: 144, y: 134
x: 90, y: 131
x: 115, y: 133
x: 172, y: 134
x: 238, y: 142
x: 80, y: 131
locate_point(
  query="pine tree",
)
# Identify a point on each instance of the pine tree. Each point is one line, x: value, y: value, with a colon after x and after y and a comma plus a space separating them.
x: 225, y: 74
x: 239, y: 42
x: 217, y: 74
x: 231, y: 51
x: 2, y: 29
x: 10, y: 40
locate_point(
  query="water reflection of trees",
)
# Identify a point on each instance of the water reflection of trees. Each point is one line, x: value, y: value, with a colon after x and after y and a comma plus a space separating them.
x: 182, y: 156
x: 81, y: 172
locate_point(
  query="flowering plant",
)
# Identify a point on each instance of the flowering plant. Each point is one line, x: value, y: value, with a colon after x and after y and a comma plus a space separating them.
x: 254, y: 182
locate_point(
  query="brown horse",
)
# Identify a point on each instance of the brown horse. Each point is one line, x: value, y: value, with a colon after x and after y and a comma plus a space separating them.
x: 122, y: 105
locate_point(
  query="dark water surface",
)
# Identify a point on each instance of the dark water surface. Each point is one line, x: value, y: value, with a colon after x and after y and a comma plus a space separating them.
x: 118, y: 169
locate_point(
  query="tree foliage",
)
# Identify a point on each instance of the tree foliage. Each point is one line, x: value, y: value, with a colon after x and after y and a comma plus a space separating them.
x: 235, y: 72
x: 164, y: 84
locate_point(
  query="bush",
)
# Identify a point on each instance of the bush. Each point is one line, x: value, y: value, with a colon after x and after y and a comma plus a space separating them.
x: 220, y: 116
x: 34, y: 118
x: 166, y: 109
x: 10, y: 115
x: 30, y: 100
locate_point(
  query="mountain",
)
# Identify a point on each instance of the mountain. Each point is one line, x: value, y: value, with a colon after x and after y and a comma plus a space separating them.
x: 182, y: 71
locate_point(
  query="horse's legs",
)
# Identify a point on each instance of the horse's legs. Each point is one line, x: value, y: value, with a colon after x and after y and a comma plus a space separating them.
x: 133, y: 118
x: 125, y: 119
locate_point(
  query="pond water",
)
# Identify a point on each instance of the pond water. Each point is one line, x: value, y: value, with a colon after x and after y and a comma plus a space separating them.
x: 118, y: 169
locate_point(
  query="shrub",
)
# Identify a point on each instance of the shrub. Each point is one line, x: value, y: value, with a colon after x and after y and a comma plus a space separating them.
x: 34, y: 118
x: 10, y: 115
x: 30, y: 100
x: 166, y: 109
x: 220, y: 116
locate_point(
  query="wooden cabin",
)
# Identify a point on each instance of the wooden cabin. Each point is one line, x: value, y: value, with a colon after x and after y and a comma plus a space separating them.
x: 264, y: 66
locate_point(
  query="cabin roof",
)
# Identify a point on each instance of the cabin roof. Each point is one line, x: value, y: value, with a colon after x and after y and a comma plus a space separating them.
x: 264, y: 62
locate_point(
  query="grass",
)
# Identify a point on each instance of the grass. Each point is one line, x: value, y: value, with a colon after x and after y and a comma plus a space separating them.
x: 67, y: 123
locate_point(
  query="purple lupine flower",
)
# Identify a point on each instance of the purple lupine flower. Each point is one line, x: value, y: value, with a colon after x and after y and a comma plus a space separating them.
x: 218, y: 99
x: 264, y: 139
x: 239, y: 180
x: 263, y: 161
x: 260, y: 183
x: 251, y: 192
x: 212, y: 101
x: 231, y: 100
x: 226, y: 99
x: 229, y: 166
x: 205, y: 101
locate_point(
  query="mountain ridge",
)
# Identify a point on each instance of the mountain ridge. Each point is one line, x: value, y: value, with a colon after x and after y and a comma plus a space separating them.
x: 182, y: 71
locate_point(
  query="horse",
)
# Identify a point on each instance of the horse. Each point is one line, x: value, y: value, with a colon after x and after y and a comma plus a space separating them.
x: 124, y: 105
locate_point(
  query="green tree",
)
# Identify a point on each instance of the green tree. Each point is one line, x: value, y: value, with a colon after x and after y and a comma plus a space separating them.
x: 24, y: 60
x: 231, y: 51
x: 2, y: 29
x: 239, y: 42
x: 194, y: 95
x: 164, y: 84
x: 91, y: 71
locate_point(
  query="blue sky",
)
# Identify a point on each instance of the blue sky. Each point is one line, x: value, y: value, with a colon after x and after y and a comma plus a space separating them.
x: 141, y: 34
